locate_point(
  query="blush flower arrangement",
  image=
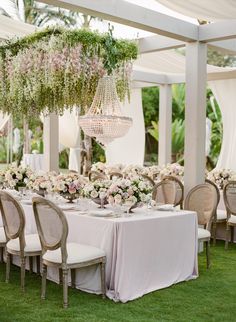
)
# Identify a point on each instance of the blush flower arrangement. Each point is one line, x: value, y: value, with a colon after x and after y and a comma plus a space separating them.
x: 16, y: 176
x: 172, y: 169
x: 135, y: 190
x: 70, y: 185
x: 41, y: 182
x: 97, y: 191
x: 221, y: 176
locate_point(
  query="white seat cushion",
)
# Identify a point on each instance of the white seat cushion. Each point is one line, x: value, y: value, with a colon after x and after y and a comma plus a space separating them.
x: 2, y: 235
x: 32, y: 244
x: 203, y: 233
x: 221, y: 214
x: 77, y: 253
x: 232, y: 219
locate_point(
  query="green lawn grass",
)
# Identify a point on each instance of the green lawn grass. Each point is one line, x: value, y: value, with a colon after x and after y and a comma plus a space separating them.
x: 211, y: 297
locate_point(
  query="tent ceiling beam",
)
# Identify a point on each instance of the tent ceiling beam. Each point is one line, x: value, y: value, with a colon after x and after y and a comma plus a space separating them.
x: 159, y: 43
x: 221, y: 30
x: 142, y: 18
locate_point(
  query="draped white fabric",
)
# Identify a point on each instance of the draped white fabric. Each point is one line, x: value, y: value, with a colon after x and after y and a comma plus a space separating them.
x: 225, y: 94
x: 210, y: 10
x: 69, y: 136
x: 130, y: 148
x: 3, y: 120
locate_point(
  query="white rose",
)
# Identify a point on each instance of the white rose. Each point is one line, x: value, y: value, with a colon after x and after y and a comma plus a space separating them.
x: 117, y: 199
x: 94, y: 194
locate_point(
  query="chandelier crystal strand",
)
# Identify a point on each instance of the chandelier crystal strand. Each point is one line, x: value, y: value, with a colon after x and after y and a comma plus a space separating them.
x: 104, y: 120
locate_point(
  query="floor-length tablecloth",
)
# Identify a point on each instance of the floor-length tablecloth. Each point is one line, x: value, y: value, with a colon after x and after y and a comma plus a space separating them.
x: 146, y: 252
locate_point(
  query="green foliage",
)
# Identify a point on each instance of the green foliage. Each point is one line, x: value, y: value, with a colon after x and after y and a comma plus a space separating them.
x: 150, y: 101
x: 154, y: 130
x: 177, y: 137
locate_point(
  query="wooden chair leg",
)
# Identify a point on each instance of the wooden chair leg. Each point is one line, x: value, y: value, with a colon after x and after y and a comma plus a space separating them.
x: 44, y: 281
x: 65, y: 288
x: 31, y: 264
x: 214, y: 233
x: 73, y: 277
x: 227, y: 236
x: 22, y: 277
x: 8, y: 266
x: 208, y: 254
x: 38, y: 260
x: 232, y: 234
x: 103, y: 279
x: 1, y: 254
x: 60, y: 276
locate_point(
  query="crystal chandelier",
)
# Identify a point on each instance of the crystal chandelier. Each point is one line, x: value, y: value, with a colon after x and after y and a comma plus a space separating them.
x: 104, y: 120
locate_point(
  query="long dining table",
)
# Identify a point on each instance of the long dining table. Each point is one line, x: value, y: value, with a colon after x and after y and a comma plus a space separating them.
x: 148, y: 251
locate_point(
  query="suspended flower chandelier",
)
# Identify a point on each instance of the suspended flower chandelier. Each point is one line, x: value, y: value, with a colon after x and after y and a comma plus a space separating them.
x: 104, y: 120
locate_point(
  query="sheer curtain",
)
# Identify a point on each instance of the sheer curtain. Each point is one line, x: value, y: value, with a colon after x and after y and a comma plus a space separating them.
x: 130, y: 148
x: 69, y: 136
x: 225, y: 94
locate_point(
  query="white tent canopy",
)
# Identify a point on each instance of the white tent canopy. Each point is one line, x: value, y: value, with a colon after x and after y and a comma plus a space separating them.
x: 14, y: 28
x: 210, y: 10
x: 192, y: 69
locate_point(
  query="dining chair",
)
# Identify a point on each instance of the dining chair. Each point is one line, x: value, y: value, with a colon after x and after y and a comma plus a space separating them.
x: 229, y: 194
x: 203, y: 199
x: 169, y: 190
x: 3, y: 242
x: 115, y: 175
x: 56, y: 251
x: 95, y: 175
x: 17, y: 243
x: 149, y: 179
x: 219, y: 215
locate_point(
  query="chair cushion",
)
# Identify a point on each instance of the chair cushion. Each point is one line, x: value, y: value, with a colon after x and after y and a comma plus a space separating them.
x: 232, y: 219
x: 203, y: 233
x: 2, y: 236
x: 221, y: 214
x: 32, y: 244
x: 77, y: 253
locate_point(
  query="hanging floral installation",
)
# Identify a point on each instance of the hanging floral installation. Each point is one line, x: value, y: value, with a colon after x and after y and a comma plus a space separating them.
x: 56, y: 69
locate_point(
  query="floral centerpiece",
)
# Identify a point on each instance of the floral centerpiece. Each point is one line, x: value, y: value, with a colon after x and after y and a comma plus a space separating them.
x: 97, y: 191
x: 41, y: 182
x: 173, y: 169
x: 16, y: 177
x: 70, y: 185
x: 133, y: 191
x: 221, y: 176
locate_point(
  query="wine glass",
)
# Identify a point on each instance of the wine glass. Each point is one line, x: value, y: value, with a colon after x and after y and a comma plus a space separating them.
x: 102, y: 196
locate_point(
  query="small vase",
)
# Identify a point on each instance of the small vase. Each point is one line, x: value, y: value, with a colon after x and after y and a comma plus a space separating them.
x: 98, y: 201
x: 70, y: 198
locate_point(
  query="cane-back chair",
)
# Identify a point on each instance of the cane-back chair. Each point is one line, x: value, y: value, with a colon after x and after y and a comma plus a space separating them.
x: 56, y: 251
x: 18, y: 243
x: 203, y: 199
x: 169, y: 191
x: 229, y: 194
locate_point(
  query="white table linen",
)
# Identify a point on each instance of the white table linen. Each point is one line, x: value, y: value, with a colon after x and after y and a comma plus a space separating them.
x: 146, y: 252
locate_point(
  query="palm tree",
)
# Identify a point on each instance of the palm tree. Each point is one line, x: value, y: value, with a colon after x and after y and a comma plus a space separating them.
x: 38, y: 14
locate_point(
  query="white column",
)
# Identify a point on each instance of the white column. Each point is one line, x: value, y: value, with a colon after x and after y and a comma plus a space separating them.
x: 164, y: 126
x: 195, y: 115
x: 51, y: 142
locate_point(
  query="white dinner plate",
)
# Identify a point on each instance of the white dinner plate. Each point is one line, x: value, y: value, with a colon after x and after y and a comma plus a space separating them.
x: 67, y: 207
x: 101, y: 213
x: 166, y: 207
